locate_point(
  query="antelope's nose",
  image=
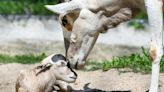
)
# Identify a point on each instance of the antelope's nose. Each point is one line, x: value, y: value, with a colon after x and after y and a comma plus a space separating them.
x: 79, y: 64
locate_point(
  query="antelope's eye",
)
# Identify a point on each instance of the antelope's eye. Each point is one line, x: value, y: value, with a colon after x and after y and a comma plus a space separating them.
x: 63, y: 63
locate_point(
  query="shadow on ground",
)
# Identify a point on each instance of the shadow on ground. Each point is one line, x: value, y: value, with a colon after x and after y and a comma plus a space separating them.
x: 87, y: 89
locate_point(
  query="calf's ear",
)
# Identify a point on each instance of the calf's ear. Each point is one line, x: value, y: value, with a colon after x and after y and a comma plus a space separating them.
x: 43, y: 68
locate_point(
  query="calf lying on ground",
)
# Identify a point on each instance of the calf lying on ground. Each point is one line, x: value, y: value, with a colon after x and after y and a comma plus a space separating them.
x: 44, y: 77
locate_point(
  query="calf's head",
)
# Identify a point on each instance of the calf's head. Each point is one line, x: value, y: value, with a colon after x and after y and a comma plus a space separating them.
x: 60, y: 67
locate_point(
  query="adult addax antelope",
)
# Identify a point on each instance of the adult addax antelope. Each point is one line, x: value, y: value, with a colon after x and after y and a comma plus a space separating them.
x: 83, y: 20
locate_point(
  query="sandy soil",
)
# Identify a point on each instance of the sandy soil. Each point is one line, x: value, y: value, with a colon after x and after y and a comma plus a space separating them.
x: 112, y: 80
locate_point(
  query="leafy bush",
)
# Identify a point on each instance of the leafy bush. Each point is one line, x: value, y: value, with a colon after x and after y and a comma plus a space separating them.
x: 35, y: 7
x: 138, y: 24
x: 140, y: 21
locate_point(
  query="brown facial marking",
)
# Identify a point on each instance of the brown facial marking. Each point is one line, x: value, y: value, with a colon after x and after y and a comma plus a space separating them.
x: 66, y: 23
x: 69, y: 27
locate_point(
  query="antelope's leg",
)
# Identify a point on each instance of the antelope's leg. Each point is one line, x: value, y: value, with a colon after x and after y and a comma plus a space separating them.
x: 154, y: 10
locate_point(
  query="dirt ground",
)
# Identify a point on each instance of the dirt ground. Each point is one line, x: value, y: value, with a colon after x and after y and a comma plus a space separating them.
x: 112, y: 80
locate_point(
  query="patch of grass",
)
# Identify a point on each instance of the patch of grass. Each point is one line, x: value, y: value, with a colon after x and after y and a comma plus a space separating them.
x: 23, y: 59
x: 136, y: 62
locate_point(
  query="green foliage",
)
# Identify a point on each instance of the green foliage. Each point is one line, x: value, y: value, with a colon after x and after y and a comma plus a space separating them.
x: 23, y: 59
x: 106, y: 66
x: 141, y: 15
x: 136, y: 62
x: 137, y: 24
x: 35, y: 7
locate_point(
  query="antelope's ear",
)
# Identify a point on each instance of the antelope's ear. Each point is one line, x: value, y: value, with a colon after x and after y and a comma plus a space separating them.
x: 63, y: 7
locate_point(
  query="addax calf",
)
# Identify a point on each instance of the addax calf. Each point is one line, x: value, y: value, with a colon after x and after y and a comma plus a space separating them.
x: 54, y: 70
